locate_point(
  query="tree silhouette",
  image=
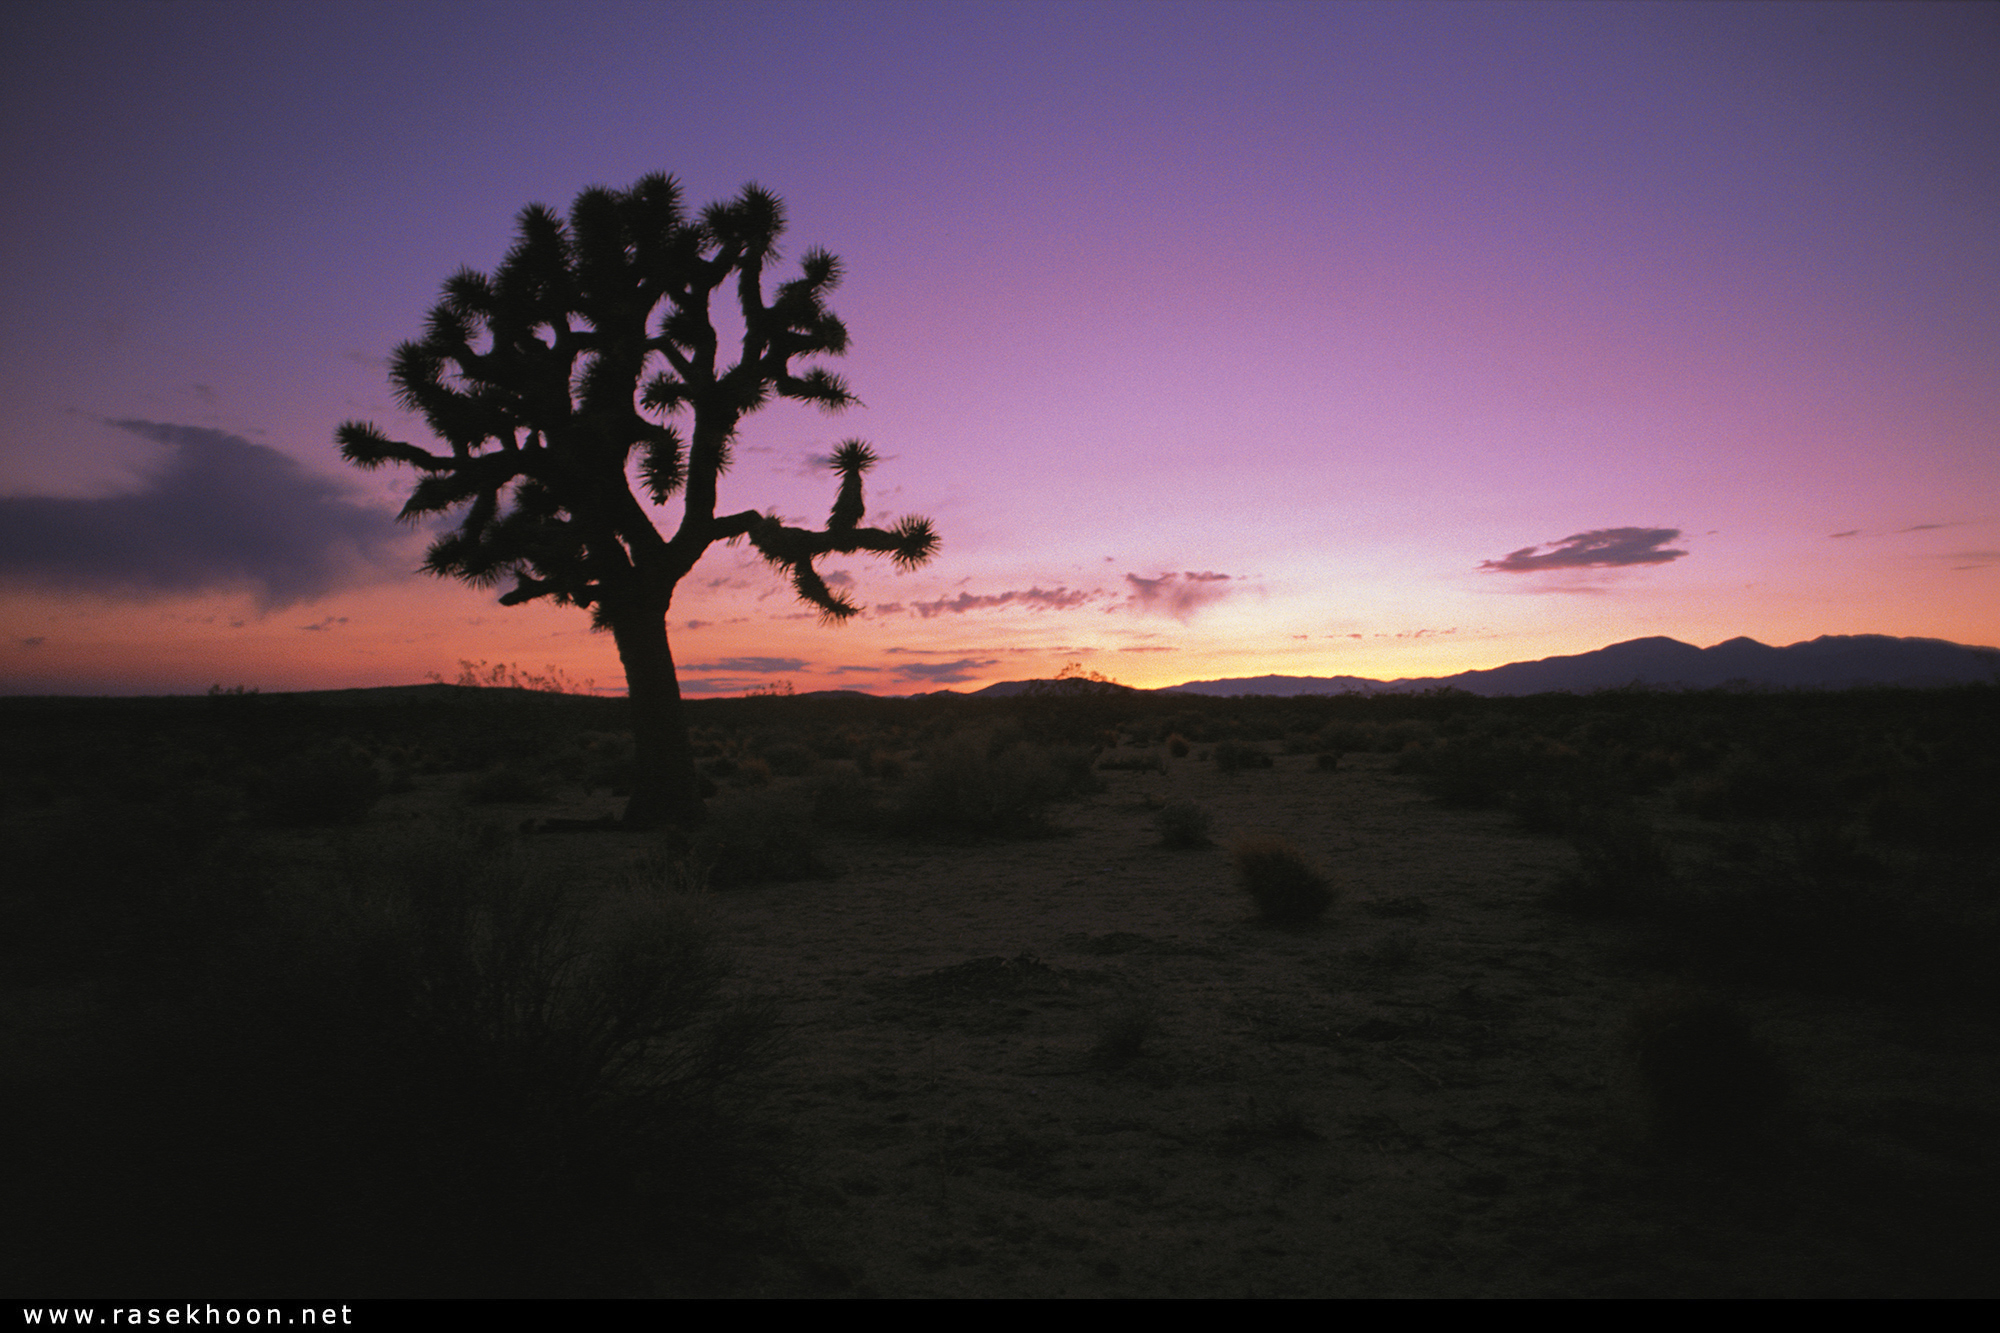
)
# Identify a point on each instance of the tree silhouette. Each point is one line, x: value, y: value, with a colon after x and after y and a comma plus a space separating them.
x: 593, y: 342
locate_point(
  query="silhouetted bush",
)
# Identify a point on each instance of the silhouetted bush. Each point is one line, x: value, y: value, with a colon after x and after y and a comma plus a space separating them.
x: 973, y: 786
x: 1287, y: 890
x: 1235, y: 756
x: 1622, y: 867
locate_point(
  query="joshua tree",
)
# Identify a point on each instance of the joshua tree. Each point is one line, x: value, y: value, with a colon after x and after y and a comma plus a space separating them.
x: 592, y: 342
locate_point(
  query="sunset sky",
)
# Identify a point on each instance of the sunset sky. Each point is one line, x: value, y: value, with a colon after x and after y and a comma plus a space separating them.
x: 1217, y: 339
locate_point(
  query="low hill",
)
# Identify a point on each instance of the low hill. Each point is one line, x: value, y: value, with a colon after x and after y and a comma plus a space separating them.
x: 1832, y: 661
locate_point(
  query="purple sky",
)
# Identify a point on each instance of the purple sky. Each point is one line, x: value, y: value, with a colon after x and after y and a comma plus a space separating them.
x: 1218, y: 339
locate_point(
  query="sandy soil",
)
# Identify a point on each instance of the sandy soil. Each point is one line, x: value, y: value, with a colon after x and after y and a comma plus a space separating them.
x: 1427, y: 1093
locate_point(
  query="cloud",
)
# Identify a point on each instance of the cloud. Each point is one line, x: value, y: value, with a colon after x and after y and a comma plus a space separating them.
x: 221, y: 513
x: 1150, y: 648
x: 1035, y: 599
x: 1177, y: 595
x: 725, y: 685
x: 1851, y: 532
x: 1601, y: 549
x: 944, y: 673
x: 754, y: 665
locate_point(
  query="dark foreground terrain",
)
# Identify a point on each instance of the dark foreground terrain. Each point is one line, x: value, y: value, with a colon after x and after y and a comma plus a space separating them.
x: 1618, y: 994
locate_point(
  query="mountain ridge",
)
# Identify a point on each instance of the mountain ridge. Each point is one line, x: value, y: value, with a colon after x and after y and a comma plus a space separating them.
x: 1831, y: 661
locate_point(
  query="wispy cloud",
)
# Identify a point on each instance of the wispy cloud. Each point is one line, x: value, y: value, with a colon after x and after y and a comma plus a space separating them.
x: 221, y: 513
x: 724, y: 684
x: 1035, y: 599
x: 753, y: 665
x: 1177, y: 595
x: 1604, y: 548
x: 944, y: 673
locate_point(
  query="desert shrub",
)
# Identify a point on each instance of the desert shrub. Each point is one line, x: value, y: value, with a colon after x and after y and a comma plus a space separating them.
x: 1816, y: 908
x: 1467, y: 773
x: 1123, y: 1032
x: 1623, y: 867
x: 758, y: 838
x: 884, y: 766
x: 1328, y: 761
x: 789, y: 759
x: 505, y: 785
x: 751, y: 772
x: 1177, y: 746
x: 1235, y: 756
x: 327, y: 784
x: 843, y: 798
x: 1710, y: 1089
x: 1749, y: 786
x: 486, y: 1084
x: 1287, y: 890
x: 973, y: 787
x: 1182, y: 824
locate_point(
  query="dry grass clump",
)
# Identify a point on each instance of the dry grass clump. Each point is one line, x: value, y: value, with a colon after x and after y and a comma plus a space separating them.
x: 974, y: 785
x: 1287, y: 889
x: 1182, y: 824
x: 1235, y: 756
x: 1623, y: 867
x: 757, y: 837
x: 1124, y: 1032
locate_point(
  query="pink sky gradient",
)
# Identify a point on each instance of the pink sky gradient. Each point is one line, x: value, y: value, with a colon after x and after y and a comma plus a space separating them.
x: 1218, y: 339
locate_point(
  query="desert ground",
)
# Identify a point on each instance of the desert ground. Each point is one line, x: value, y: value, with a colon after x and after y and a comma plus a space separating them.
x: 1079, y: 1062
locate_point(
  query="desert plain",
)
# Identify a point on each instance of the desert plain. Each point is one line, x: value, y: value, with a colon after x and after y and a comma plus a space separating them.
x: 1061, y: 1055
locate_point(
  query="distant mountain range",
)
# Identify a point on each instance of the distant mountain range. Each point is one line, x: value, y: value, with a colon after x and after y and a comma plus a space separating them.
x: 1831, y: 662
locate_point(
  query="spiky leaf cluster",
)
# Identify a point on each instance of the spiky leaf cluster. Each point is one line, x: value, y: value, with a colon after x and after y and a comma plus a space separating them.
x: 588, y: 356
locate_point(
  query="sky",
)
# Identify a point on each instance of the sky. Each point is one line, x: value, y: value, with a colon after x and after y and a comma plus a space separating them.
x: 1217, y: 340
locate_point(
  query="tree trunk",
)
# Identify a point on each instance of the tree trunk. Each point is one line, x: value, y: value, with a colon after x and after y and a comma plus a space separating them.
x: 664, y: 787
